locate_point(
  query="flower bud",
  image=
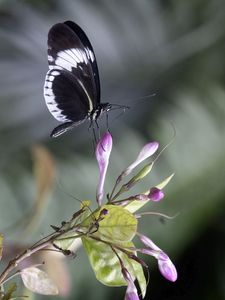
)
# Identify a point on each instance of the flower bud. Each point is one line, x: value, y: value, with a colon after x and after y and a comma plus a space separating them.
x: 148, y: 150
x: 167, y: 269
x: 155, y: 194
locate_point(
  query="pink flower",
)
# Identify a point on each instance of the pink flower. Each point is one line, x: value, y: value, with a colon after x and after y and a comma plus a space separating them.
x: 166, y: 267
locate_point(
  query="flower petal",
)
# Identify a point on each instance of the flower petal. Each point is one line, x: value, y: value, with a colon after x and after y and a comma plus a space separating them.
x: 102, y: 153
x: 148, y: 150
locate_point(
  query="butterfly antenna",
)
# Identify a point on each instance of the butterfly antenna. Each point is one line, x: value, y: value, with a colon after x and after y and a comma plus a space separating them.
x: 118, y: 106
x: 136, y: 99
x: 62, y: 188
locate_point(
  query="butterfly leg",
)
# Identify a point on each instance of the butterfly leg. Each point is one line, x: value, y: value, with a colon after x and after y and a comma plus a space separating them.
x: 94, y: 135
x: 98, y: 129
x: 107, y: 121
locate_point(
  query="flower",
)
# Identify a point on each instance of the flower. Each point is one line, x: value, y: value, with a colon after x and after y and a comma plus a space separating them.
x: 102, y: 153
x: 112, y: 232
x: 166, y: 267
x: 107, y: 233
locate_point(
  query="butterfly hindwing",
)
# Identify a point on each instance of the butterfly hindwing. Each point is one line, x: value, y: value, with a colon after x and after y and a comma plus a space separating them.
x: 62, y: 128
x: 65, y: 98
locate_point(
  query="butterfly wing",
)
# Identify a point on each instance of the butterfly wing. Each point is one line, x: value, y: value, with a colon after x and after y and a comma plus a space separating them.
x: 90, y: 52
x: 72, y: 88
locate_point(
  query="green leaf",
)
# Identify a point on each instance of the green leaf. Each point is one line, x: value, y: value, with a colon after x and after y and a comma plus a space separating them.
x: 117, y: 229
x: 38, y: 281
x: 1, y: 245
x: 106, y: 265
x: 138, y: 271
x: 135, y: 205
x: 164, y: 183
x: 104, y: 262
x: 119, y: 225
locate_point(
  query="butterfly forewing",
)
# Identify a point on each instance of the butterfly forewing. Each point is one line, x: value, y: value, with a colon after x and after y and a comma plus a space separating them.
x: 90, y: 53
x: 71, y: 87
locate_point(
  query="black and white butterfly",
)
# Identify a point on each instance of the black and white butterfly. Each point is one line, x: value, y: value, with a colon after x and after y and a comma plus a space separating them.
x: 72, y: 86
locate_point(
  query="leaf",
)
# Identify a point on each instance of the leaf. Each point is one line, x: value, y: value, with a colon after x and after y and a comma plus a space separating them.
x: 104, y: 262
x: 10, y: 290
x: 1, y: 245
x: 38, y: 281
x: 164, y: 183
x: 118, y: 225
x: 135, y: 205
x: 116, y: 229
x: 138, y: 271
x: 106, y: 265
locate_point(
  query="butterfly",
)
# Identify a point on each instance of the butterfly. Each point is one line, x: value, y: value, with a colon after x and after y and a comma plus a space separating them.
x: 72, y: 85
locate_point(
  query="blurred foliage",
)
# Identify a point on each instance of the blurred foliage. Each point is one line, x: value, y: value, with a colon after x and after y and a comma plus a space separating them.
x: 172, y: 48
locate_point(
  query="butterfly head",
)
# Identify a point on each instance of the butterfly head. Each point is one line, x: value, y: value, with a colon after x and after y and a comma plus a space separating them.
x: 105, y: 107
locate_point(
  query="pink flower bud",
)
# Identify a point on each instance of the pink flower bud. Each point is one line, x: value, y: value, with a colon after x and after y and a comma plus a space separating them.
x: 148, y: 150
x: 167, y: 269
x: 155, y: 194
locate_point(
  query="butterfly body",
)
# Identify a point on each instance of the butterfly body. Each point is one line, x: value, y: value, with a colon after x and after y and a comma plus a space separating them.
x: 72, y: 86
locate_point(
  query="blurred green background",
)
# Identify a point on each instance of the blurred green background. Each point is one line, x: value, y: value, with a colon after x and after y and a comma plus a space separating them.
x: 174, y: 49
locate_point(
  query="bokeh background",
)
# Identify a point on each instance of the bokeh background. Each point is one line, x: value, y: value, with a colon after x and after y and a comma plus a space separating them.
x: 173, y: 49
